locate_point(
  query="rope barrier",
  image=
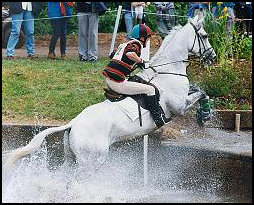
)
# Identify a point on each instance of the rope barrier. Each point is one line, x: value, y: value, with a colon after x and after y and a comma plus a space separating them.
x: 53, y: 17
x: 7, y: 21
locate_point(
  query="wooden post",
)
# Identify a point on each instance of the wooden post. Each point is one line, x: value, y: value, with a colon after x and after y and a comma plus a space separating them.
x: 115, y: 29
x: 237, y: 122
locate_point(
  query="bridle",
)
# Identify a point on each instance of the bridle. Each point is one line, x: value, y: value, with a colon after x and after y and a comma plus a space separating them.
x: 200, y: 42
x: 201, y: 54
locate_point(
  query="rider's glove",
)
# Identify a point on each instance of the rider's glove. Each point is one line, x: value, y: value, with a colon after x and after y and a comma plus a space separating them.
x: 141, y: 64
x: 112, y: 55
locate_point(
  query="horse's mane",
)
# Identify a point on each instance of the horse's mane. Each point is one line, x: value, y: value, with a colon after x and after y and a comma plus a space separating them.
x: 167, y: 39
x: 171, y: 34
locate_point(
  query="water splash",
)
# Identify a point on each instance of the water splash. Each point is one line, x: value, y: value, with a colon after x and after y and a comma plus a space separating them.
x: 120, y: 179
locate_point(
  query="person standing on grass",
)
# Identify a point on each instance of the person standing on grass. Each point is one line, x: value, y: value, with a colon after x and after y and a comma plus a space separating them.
x: 58, y: 13
x: 22, y: 11
x: 137, y: 11
x: 128, y: 20
x: 88, y: 19
x: 166, y: 17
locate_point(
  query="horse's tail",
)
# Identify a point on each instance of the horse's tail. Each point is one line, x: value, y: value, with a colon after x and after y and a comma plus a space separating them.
x: 33, y: 145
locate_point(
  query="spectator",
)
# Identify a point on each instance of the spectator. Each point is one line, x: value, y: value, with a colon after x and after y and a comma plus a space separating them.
x: 243, y: 10
x: 20, y: 11
x: 88, y: 30
x: 197, y: 8
x: 137, y: 11
x: 229, y: 8
x: 166, y: 17
x: 128, y: 20
x: 59, y: 12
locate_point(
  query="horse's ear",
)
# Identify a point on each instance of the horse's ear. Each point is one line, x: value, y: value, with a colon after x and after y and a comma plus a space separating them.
x: 200, y: 21
x: 195, y: 19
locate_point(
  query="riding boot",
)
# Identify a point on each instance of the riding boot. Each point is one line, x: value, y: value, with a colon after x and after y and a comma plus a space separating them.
x: 156, y: 111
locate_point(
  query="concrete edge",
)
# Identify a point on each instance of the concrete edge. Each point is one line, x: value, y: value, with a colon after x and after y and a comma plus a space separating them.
x: 20, y: 131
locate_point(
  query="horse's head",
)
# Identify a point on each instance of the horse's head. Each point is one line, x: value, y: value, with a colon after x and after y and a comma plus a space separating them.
x: 200, y: 46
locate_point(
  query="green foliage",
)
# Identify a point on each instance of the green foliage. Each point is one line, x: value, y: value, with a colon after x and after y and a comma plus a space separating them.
x: 181, y: 10
x: 107, y: 22
x: 43, y: 26
x: 226, y: 45
x: 242, y: 46
x: 219, y: 81
x: 150, y: 17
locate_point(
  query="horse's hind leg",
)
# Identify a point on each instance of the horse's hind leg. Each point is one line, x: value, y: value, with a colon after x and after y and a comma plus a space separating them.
x: 91, y: 150
x: 69, y: 156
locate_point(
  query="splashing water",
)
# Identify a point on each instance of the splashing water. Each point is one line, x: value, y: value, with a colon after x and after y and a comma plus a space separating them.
x: 120, y: 179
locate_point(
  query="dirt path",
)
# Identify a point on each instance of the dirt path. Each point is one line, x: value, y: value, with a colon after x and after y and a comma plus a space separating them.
x: 104, y: 43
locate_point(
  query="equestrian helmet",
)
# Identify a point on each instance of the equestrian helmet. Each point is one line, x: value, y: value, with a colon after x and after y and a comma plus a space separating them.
x: 141, y: 30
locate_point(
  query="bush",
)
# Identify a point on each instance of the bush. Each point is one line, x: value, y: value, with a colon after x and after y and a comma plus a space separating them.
x: 107, y: 22
x: 220, y: 81
x: 242, y: 46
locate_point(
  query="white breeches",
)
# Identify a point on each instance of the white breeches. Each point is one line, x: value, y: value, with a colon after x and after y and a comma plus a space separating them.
x: 130, y: 88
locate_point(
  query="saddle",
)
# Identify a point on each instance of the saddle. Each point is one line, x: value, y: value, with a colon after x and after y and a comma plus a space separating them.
x: 115, y: 97
x: 140, y: 98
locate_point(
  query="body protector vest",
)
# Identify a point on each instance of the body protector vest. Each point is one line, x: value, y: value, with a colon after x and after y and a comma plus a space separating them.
x: 121, y: 66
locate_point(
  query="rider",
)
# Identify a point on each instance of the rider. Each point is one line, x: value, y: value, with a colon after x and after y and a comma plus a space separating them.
x: 123, y: 62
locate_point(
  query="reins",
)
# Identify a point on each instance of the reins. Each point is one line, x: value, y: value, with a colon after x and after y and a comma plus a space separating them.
x: 197, y: 36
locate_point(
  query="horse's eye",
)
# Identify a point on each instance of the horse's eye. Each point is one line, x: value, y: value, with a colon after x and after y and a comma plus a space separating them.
x: 205, y: 36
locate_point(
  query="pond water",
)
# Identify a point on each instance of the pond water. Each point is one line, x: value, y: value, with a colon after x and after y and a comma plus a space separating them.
x: 175, y: 175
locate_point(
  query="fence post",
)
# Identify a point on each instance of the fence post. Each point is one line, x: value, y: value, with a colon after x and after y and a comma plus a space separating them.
x: 115, y: 29
x: 237, y: 122
x: 145, y: 159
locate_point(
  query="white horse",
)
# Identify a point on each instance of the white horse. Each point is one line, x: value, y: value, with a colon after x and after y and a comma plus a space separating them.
x: 98, y: 126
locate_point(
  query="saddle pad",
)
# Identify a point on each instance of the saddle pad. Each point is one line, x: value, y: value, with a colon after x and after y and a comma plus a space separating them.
x: 130, y: 108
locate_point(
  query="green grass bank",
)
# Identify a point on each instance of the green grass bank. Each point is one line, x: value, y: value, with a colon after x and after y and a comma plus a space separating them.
x: 60, y: 90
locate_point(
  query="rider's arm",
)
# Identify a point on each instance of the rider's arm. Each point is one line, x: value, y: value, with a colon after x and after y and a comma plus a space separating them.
x: 133, y: 51
x: 133, y: 56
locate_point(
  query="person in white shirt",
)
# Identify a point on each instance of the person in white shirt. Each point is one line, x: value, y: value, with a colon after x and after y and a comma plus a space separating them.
x: 166, y: 17
x: 137, y: 9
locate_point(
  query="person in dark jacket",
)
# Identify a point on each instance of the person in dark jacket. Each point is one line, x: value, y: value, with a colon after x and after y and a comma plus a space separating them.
x: 166, y: 17
x: 88, y: 16
x: 243, y: 10
x: 20, y: 11
x: 58, y: 13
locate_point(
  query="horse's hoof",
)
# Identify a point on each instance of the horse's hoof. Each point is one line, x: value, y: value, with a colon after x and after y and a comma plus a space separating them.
x: 202, y: 117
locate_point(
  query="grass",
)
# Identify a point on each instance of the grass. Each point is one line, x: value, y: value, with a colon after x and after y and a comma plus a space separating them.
x: 60, y: 90
x: 55, y: 89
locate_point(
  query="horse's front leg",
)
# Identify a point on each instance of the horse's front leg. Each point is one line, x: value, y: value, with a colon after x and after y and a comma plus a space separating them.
x: 203, y: 113
x: 193, y: 98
